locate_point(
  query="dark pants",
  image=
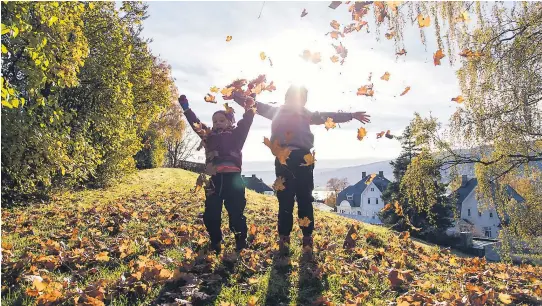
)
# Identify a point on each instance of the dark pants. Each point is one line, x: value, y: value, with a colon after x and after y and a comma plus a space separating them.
x: 230, y: 189
x: 299, y: 183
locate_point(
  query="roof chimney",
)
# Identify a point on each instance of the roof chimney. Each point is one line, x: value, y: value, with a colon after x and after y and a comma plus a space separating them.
x: 243, y: 176
x: 464, y: 180
x: 381, y: 173
x: 254, y: 175
x: 363, y: 174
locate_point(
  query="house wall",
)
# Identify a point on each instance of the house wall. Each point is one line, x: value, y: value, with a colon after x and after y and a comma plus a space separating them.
x: 344, y: 208
x: 488, y: 220
x: 366, y: 211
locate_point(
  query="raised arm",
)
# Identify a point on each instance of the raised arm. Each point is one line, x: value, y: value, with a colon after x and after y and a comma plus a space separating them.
x: 192, y: 119
x: 243, y: 126
x: 321, y: 117
x: 264, y: 110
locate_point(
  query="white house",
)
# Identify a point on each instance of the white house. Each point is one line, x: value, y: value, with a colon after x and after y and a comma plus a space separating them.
x: 480, y: 221
x: 363, y: 200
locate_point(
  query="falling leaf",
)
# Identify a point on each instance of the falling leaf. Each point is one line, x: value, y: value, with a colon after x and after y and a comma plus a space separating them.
x: 370, y: 179
x: 329, y: 124
x: 401, y: 52
x: 438, y: 56
x: 387, y: 207
x: 306, y: 55
x: 458, y: 99
x: 334, y: 58
x: 309, y: 158
x: 229, y: 109
x: 380, y: 134
x: 386, y: 76
x: 405, y: 91
x: 335, y: 34
x: 210, y: 98
x: 423, y: 21
x: 214, y: 89
x: 388, y: 135
x: 270, y: 62
x: 398, y: 208
x: 304, y: 13
x: 393, y: 5
x: 271, y: 87
x: 227, y: 91
x: 278, y: 185
x: 281, y: 153
x: 505, y: 298
x: 316, y: 58
x: 228, y: 38
x: 361, y: 133
x: 390, y: 35
x: 263, y: 56
x: 341, y: 50
x: 334, y: 24
x: 366, y: 90
x: 305, y: 222
x: 335, y: 4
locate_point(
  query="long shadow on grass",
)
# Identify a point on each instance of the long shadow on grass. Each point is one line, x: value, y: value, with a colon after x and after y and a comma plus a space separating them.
x: 310, y: 286
x: 278, y: 288
x: 199, y: 286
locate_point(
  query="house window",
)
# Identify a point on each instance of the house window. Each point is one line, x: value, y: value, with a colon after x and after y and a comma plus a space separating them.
x: 369, y: 201
x: 350, y: 197
x: 479, y: 214
x: 491, y: 215
x: 487, y: 231
x: 468, y: 212
x: 359, y: 213
x: 376, y: 200
x: 372, y: 189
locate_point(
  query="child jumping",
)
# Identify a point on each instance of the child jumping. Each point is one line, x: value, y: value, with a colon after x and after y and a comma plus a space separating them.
x: 291, y: 127
x: 223, y: 144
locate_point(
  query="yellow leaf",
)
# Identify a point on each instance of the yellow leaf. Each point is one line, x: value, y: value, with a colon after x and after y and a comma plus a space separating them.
x: 53, y: 20
x: 4, y: 49
x: 361, y: 133
x: 5, y: 29
x: 91, y: 5
x: 309, y: 159
x: 227, y: 91
x: 423, y: 21
x: 15, y: 31
x: 386, y: 76
x: 505, y: 298
x: 39, y: 284
x: 63, y: 171
x: 263, y: 56
x: 6, y: 103
x: 370, y: 179
x: 458, y: 99
x: 252, y: 301
x: 330, y: 124
x: 228, y: 38
x: 214, y: 89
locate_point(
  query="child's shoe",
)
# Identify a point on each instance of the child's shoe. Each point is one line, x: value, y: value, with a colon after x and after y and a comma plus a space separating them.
x: 216, y: 247
x: 240, y: 243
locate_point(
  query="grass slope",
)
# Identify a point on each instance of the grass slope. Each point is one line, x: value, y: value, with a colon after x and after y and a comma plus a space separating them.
x: 143, y: 242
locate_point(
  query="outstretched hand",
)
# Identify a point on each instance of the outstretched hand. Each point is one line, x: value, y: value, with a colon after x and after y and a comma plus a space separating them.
x: 361, y: 117
x: 183, y: 101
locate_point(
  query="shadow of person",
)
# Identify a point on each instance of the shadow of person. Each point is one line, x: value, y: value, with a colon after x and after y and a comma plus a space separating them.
x: 310, y: 280
x: 278, y: 287
x: 199, y: 285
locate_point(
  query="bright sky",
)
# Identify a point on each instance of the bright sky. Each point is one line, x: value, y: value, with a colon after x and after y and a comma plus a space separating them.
x: 190, y: 36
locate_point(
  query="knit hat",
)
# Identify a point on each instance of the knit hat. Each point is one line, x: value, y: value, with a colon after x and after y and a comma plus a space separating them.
x: 229, y: 116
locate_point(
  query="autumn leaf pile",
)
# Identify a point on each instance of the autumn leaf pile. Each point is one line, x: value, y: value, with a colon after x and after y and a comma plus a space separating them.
x: 144, y: 242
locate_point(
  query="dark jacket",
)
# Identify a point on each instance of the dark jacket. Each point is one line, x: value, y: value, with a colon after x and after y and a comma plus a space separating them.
x: 223, y: 146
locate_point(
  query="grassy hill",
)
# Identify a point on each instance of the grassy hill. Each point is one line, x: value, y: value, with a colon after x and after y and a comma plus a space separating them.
x: 143, y: 242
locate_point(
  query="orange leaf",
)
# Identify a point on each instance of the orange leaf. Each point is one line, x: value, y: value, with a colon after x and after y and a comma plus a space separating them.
x: 366, y: 90
x: 316, y: 58
x: 438, y: 56
x: 505, y: 298
x: 263, y: 56
x: 102, y: 256
x: 386, y: 76
x: 304, y: 13
x: 469, y: 53
x: 361, y: 133
x: 271, y: 87
x: 401, y: 52
x: 252, y: 301
x: 210, y: 98
x: 334, y: 24
x: 334, y: 58
x: 405, y: 91
x: 278, y: 151
x: 387, y: 207
x: 278, y: 185
x: 309, y: 159
x: 423, y: 21
x: 335, y: 34
x: 458, y: 99
x: 380, y: 135
x: 305, y: 222
x: 306, y: 55
x: 227, y: 91
x: 370, y: 179
x: 330, y: 124
x: 228, y: 38
x: 404, y: 235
